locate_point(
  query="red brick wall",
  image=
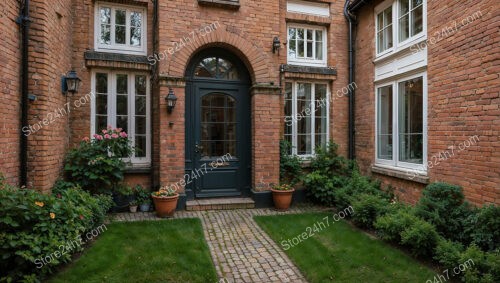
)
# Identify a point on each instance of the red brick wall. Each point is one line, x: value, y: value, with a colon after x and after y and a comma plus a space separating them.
x: 50, y: 58
x: 464, y: 87
x: 10, y: 94
x: 463, y: 99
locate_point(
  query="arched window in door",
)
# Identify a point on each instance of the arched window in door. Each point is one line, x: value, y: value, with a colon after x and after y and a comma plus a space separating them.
x: 216, y: 68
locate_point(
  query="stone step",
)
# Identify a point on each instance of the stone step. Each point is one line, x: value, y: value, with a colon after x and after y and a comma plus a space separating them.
x: 219, y: 204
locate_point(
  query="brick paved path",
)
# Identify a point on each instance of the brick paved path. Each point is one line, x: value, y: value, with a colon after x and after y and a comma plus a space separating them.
x: 241, y: 251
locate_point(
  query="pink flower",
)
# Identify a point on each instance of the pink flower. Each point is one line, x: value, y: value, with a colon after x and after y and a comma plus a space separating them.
x: 123, y: 134
x: 104, y: 131
x: 110, y: 127
x: 114, y: 136
x: 106, y: 136
x: 118, y: 130
x: 99, y: 137
x: 86, y: 139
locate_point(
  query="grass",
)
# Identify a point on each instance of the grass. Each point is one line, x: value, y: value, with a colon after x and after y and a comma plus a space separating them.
x: 341, y: 253
x: 149, y: 251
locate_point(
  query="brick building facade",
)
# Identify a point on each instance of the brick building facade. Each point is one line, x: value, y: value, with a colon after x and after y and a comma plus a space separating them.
x: 237, y: 95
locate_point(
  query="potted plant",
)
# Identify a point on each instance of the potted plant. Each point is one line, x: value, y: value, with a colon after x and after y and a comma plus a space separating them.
x: 282, y: 196
x: 165, y: 200
x: 133, y: 206
x: 143, y: 198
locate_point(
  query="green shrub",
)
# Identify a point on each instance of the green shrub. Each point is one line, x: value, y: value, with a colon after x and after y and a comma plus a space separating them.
x: 321, y: 188
x: 421, y: 237
x: 330, y: 172
x: 448, y: 253
x: 356, y: 185
x: 35, y: 225
x: 290, y: 165
x: 367, y: 208
x: 390, y: 226
x: 97, y: 164
x: 483, y: 226
x: 327, y: 161
x: 443, y: 205
x: 480, y: 266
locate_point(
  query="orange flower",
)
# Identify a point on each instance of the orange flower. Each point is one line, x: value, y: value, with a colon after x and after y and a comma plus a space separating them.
x: 39, y: 203
x: 52, y: 215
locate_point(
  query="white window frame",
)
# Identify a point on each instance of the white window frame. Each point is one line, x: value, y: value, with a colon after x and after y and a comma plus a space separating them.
x: 395, y: 163
x: 396, y: 45
x: 111, y: 113
x: 313, y: 111
x: 120, y: 48
x: 307, y: 61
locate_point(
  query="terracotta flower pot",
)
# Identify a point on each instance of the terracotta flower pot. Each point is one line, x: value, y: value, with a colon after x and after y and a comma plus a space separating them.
x: 282, y: 199
x: 165, y: 206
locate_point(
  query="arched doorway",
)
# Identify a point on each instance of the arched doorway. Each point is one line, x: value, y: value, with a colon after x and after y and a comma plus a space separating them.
x: 218, y: 144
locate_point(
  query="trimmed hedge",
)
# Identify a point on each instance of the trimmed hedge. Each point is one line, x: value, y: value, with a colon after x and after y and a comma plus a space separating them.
x: 35, y: 225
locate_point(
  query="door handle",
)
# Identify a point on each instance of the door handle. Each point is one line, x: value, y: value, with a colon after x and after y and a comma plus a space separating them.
x: 198, y: 148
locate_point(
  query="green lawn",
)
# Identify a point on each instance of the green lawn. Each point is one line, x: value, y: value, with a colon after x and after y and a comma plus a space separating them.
x: 150, y: 251
x: 340, y: 253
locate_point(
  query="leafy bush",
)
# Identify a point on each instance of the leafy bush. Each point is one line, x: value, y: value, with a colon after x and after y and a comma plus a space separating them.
x: 321, y: 188
x: 97, y: 165
x: 290, y: 165
x: 327, y: 161
x: 448, y: 253
x: 356, y: 185
x: 330, y: 172
x: 421, y: 237
x: 390, y: 226
x: 35, y: 225
x: 443, y: 205
x: 479, y: 266
x: 483, y: 226
x: 367, y: 208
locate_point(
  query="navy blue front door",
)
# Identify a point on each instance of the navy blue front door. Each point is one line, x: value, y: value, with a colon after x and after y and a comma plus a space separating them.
x: 217, y: 128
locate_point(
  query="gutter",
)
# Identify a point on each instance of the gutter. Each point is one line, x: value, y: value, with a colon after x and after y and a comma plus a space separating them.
x: 154, y: 87
x: 24, y: 23
x: 351, y: 130
x: 350, y: 8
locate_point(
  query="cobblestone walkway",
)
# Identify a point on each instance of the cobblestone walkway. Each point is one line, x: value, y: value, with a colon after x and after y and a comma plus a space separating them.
x: 240, y: 249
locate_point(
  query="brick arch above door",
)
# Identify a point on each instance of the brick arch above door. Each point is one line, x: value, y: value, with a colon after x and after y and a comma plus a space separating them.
x: 255, y: 59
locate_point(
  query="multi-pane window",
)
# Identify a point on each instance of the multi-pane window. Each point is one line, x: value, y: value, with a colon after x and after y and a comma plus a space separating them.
x: 410, y: 18
x: 384, y: 30
x: 121, y: 100
x: 401, y: 108
x: 398, y: 22
x: 306, y: 116
x: 120, y: 28
x: 307, y: 45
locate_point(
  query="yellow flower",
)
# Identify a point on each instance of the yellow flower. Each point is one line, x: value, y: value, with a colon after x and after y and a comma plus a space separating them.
x: 52, y: 215
x: 39, y: 203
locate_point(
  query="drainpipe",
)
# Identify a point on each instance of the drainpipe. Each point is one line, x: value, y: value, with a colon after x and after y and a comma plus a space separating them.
x: 154, y: 82
x: 24, y: 22
x: 350, y: 20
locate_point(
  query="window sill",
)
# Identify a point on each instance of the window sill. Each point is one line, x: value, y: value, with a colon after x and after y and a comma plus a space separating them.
x: 400, y: 173
x: 400, y: 49
x: 116, y: 60
x: 137, y: 169
x: 308, y: 72
x: 229, y: 4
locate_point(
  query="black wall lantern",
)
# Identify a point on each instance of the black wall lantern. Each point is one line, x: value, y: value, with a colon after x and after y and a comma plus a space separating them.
x: 276, y: 44
x: 70, y: 83
x: 171, y: 100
